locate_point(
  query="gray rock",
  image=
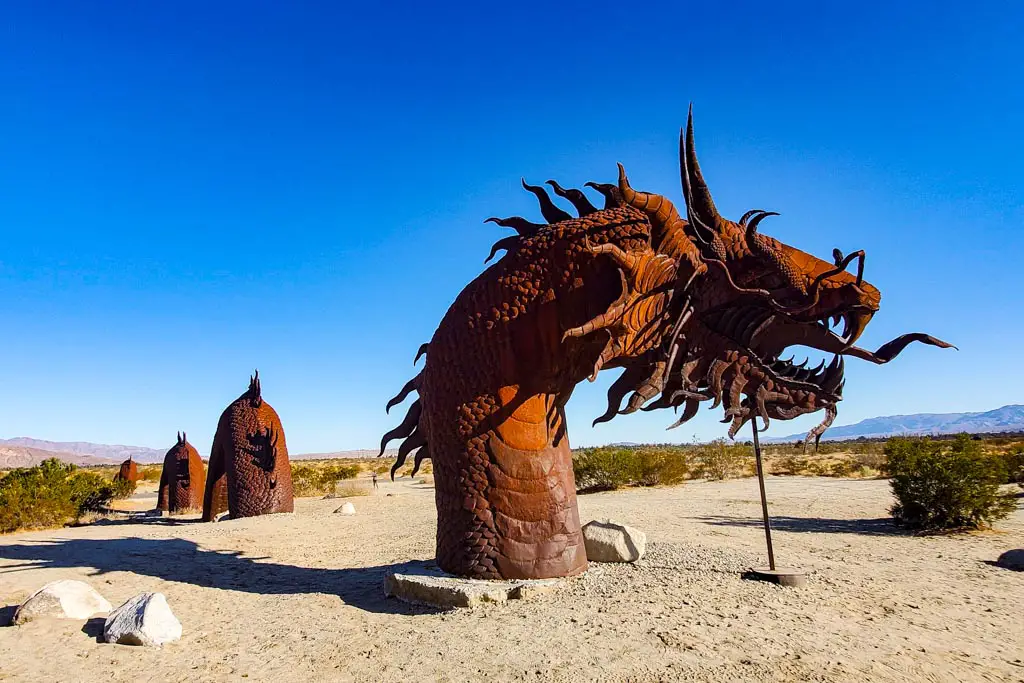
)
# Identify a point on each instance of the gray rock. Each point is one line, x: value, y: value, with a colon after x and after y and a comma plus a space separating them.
x: 346, y: 509
x: 64, y: 599
x: 427, y: 585
x: 1012, y: 559
x: 607, y: 541
x: 145, y: 619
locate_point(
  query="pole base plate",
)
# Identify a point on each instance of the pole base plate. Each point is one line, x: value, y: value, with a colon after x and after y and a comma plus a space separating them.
x: 793, y: 578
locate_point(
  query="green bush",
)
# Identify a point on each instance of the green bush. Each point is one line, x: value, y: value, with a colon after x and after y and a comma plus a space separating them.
x: 660, y: 467
x: 123, y: 488
x: 150, y: 473
x: 1013, y: 462
x: 609, y: 467
x: 602, y: 469
x: 50, y: 494
x: 939, y: 488
x: 319, y: 480
x: 720, y: 460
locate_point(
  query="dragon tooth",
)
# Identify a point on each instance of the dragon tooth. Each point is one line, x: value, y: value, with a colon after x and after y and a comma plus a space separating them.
x: 833, y: 375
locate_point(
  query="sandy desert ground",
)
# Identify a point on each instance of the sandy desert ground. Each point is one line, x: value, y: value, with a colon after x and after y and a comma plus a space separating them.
x: 298, y: 597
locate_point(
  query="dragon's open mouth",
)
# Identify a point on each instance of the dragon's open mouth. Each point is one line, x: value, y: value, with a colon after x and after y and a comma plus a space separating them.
x: 766, y: 336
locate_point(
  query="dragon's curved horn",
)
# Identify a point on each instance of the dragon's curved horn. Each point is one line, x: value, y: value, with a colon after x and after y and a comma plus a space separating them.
x: 752, y: 225
x: 700, y: 207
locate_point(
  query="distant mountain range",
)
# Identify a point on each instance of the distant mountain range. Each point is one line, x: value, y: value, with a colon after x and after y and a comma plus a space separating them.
x: 22, y: 456
x: 25, y: 452
x: 103, y: 452
x: 1006, y: 419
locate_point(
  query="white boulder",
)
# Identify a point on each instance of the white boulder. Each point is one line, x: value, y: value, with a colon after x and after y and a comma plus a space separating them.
x: 145, y: 619
x: 63, y: 599
x: 346, y: 509
x: 607, y: 541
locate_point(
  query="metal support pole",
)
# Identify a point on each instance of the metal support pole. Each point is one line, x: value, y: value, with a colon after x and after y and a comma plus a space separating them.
x: 764, y: 498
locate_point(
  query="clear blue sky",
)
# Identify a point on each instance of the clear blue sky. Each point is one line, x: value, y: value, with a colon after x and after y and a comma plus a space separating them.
x: 189, y: 190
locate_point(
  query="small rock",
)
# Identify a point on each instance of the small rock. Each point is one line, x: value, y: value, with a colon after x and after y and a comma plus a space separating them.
x: 145, y: 619
x: 1012, y: 559
x: 222, y: 517
x: 346, y: 509
x: 610, y: 542
x: 63, y: 599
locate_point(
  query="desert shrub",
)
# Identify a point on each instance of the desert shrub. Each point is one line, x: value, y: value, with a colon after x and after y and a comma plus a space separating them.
x: 721, y: 460
x: 602, y: 469
x: 945, y: 488
x: 841, y: 468
x: 319, y: 479
x: 869, y: 461
x: 609, y: 467
x: 350, y: 490
x: 1013, y: 463
x: 50, y: 494
x: 790, y: 464
x: 150, y: 473
x: 122, y: 488
x: 660, y: 466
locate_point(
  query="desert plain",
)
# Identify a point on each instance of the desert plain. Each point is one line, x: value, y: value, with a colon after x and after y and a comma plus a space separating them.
x: 299, y: 597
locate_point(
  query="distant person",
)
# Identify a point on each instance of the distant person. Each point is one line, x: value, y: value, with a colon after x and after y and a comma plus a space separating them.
x: 374, y: 480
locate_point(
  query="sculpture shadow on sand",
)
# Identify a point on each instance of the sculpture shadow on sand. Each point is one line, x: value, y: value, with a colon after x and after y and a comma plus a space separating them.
x: 184, y: 561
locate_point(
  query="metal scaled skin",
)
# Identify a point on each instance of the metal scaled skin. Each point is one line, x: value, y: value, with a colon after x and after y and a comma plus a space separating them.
x: 182, y: 480
x: 249, y: 472
x: 696, y: 309
x: 129, y: 471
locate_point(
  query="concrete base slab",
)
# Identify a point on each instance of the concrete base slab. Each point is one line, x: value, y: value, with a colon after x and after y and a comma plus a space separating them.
x: 425, y: 584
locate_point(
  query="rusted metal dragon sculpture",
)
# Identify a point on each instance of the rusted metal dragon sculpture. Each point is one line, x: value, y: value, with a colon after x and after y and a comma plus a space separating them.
x: 696, y: 309
x: 249, y: 471
x: 182, y: 480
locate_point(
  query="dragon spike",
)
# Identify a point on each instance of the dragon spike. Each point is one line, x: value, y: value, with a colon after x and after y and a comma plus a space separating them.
x: 422, y: 350
x: 688, y: 412
x: 409, y: 387
x: 255, y: 391
x: 405, y: 429
x: 422, y: 454
x: 522, y: 226
x: 184, y: 437
x: 415, y: 440
x: 179, y: 437
x: 624, y: 384
x: 610, y: 193
x: 551, y: 213
x: 576, y: 197
x: 506, y: 243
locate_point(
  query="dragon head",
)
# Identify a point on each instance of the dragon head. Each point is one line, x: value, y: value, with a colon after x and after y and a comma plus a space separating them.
x: 741, y: 300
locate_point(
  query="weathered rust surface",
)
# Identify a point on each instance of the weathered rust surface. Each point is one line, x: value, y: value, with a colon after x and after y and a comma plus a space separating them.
x: 129, y: 470
x: 182, y: 480
x: 249, y: 471
x: 695, y: 309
